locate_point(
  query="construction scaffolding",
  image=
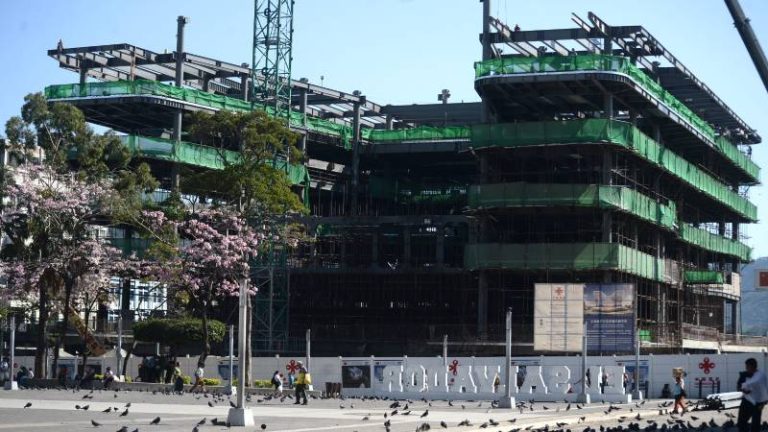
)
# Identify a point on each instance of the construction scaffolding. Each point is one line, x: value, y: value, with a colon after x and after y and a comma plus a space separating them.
x: 584, y: 163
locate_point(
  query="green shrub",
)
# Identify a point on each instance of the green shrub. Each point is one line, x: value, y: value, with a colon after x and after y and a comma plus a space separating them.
x: 211, y: 381
x: 177, y: 331
x: 262, y: 383
x: 206, y: 381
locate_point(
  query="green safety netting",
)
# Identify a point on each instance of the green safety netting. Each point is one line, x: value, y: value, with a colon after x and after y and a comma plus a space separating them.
x: 563, y: 256
x: 420, y: 133
x: 199, y: 155
x: 603, y: 196
x: 199, y: 97
x: 579, y: 195
x: 714, y: 242
x: 558, y: 63
x: 600, y: 131
x: 703, y: 277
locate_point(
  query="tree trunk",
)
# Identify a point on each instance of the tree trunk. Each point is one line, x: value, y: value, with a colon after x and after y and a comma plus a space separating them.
x: 131, y: 347
x: 69, y: 284
x: 204, y: 320
x: 42, y: 331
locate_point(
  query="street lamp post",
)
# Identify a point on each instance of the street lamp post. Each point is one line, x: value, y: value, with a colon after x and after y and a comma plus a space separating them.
x: 584, y: 397
x: 508, y: 401
x: 240, y: 415
x: 11, y: 384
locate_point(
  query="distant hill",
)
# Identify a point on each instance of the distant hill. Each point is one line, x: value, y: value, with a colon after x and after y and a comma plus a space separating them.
x: 754, y: 303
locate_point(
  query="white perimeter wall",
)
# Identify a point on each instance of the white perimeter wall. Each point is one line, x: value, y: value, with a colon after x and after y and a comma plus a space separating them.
x: 725, y: 367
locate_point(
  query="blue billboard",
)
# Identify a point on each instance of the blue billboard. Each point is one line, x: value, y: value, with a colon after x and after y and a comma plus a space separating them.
x: 609, y: 317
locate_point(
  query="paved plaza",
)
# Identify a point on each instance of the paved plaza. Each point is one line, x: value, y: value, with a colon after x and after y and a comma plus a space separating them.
x: 56, y: 410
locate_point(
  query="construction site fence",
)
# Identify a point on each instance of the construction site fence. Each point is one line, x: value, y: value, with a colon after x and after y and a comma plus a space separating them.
x: 563, y: 256
x: 521, y: 194
x: 624, y: 65
x: 202, y: 156
x: 606, y: 131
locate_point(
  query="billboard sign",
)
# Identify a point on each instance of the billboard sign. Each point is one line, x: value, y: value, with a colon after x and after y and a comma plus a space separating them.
x: 609, y: 316
x: 558, y: 317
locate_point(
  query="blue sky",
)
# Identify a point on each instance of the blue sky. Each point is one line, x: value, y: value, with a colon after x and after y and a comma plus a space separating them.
x: 394, y: 51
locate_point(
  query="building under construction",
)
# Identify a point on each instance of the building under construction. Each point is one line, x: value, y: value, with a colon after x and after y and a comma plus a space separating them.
x: 594, y: 157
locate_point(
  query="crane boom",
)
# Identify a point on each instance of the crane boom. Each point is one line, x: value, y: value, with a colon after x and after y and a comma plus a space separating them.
x: 750, y: 40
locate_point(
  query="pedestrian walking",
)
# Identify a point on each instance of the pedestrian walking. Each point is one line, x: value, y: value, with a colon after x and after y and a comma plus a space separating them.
x: 5, y: 370
x: 277, y: 382
x: 199, y: 376
x: 679, y: 394
x: 755, y: 395
x: 178, y: 380
x: 303, y: 380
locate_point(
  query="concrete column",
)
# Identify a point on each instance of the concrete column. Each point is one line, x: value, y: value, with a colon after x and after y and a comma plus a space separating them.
x: 657, y: 133
x: 83, y: 74
x: 343, y: 253
x: 303, y: 105
x: 407, y: 246
x: 179, y: 78
x: 355, y: 157
x: 735, y: 318
x: 608, y: 106
x: 390, y: 121
x: 607, y: 180
x: 440, y: 246
x: 482, y: 305
x: 375, y: 249
x: 245, y: 90
x: 607, y: 45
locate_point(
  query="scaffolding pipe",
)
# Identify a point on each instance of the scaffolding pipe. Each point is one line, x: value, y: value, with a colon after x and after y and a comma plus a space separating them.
x: 750, y: 40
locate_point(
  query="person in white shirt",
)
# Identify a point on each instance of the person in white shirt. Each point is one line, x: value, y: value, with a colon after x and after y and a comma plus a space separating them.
x: 109, y: 378
x: 755, y: 390
x: 199, y: 375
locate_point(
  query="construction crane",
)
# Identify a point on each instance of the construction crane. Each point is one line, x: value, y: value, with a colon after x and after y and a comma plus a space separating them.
x: 272, y: 46
x: 750, y: 40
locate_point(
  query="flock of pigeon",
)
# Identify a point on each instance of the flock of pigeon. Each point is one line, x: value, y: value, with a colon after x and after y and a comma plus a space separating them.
x: 630, y: 422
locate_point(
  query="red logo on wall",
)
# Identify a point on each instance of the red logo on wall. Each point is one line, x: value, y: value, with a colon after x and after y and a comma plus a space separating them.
x: 292, y: 366
x: 454, y: 367
x: 706, y: 365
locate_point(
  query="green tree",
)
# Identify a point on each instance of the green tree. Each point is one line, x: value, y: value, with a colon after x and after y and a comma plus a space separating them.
x: 253, y: 181
x: 176, y: 332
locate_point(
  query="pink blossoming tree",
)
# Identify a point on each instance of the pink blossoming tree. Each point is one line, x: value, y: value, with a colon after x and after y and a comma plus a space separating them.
x: 209, y: 260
